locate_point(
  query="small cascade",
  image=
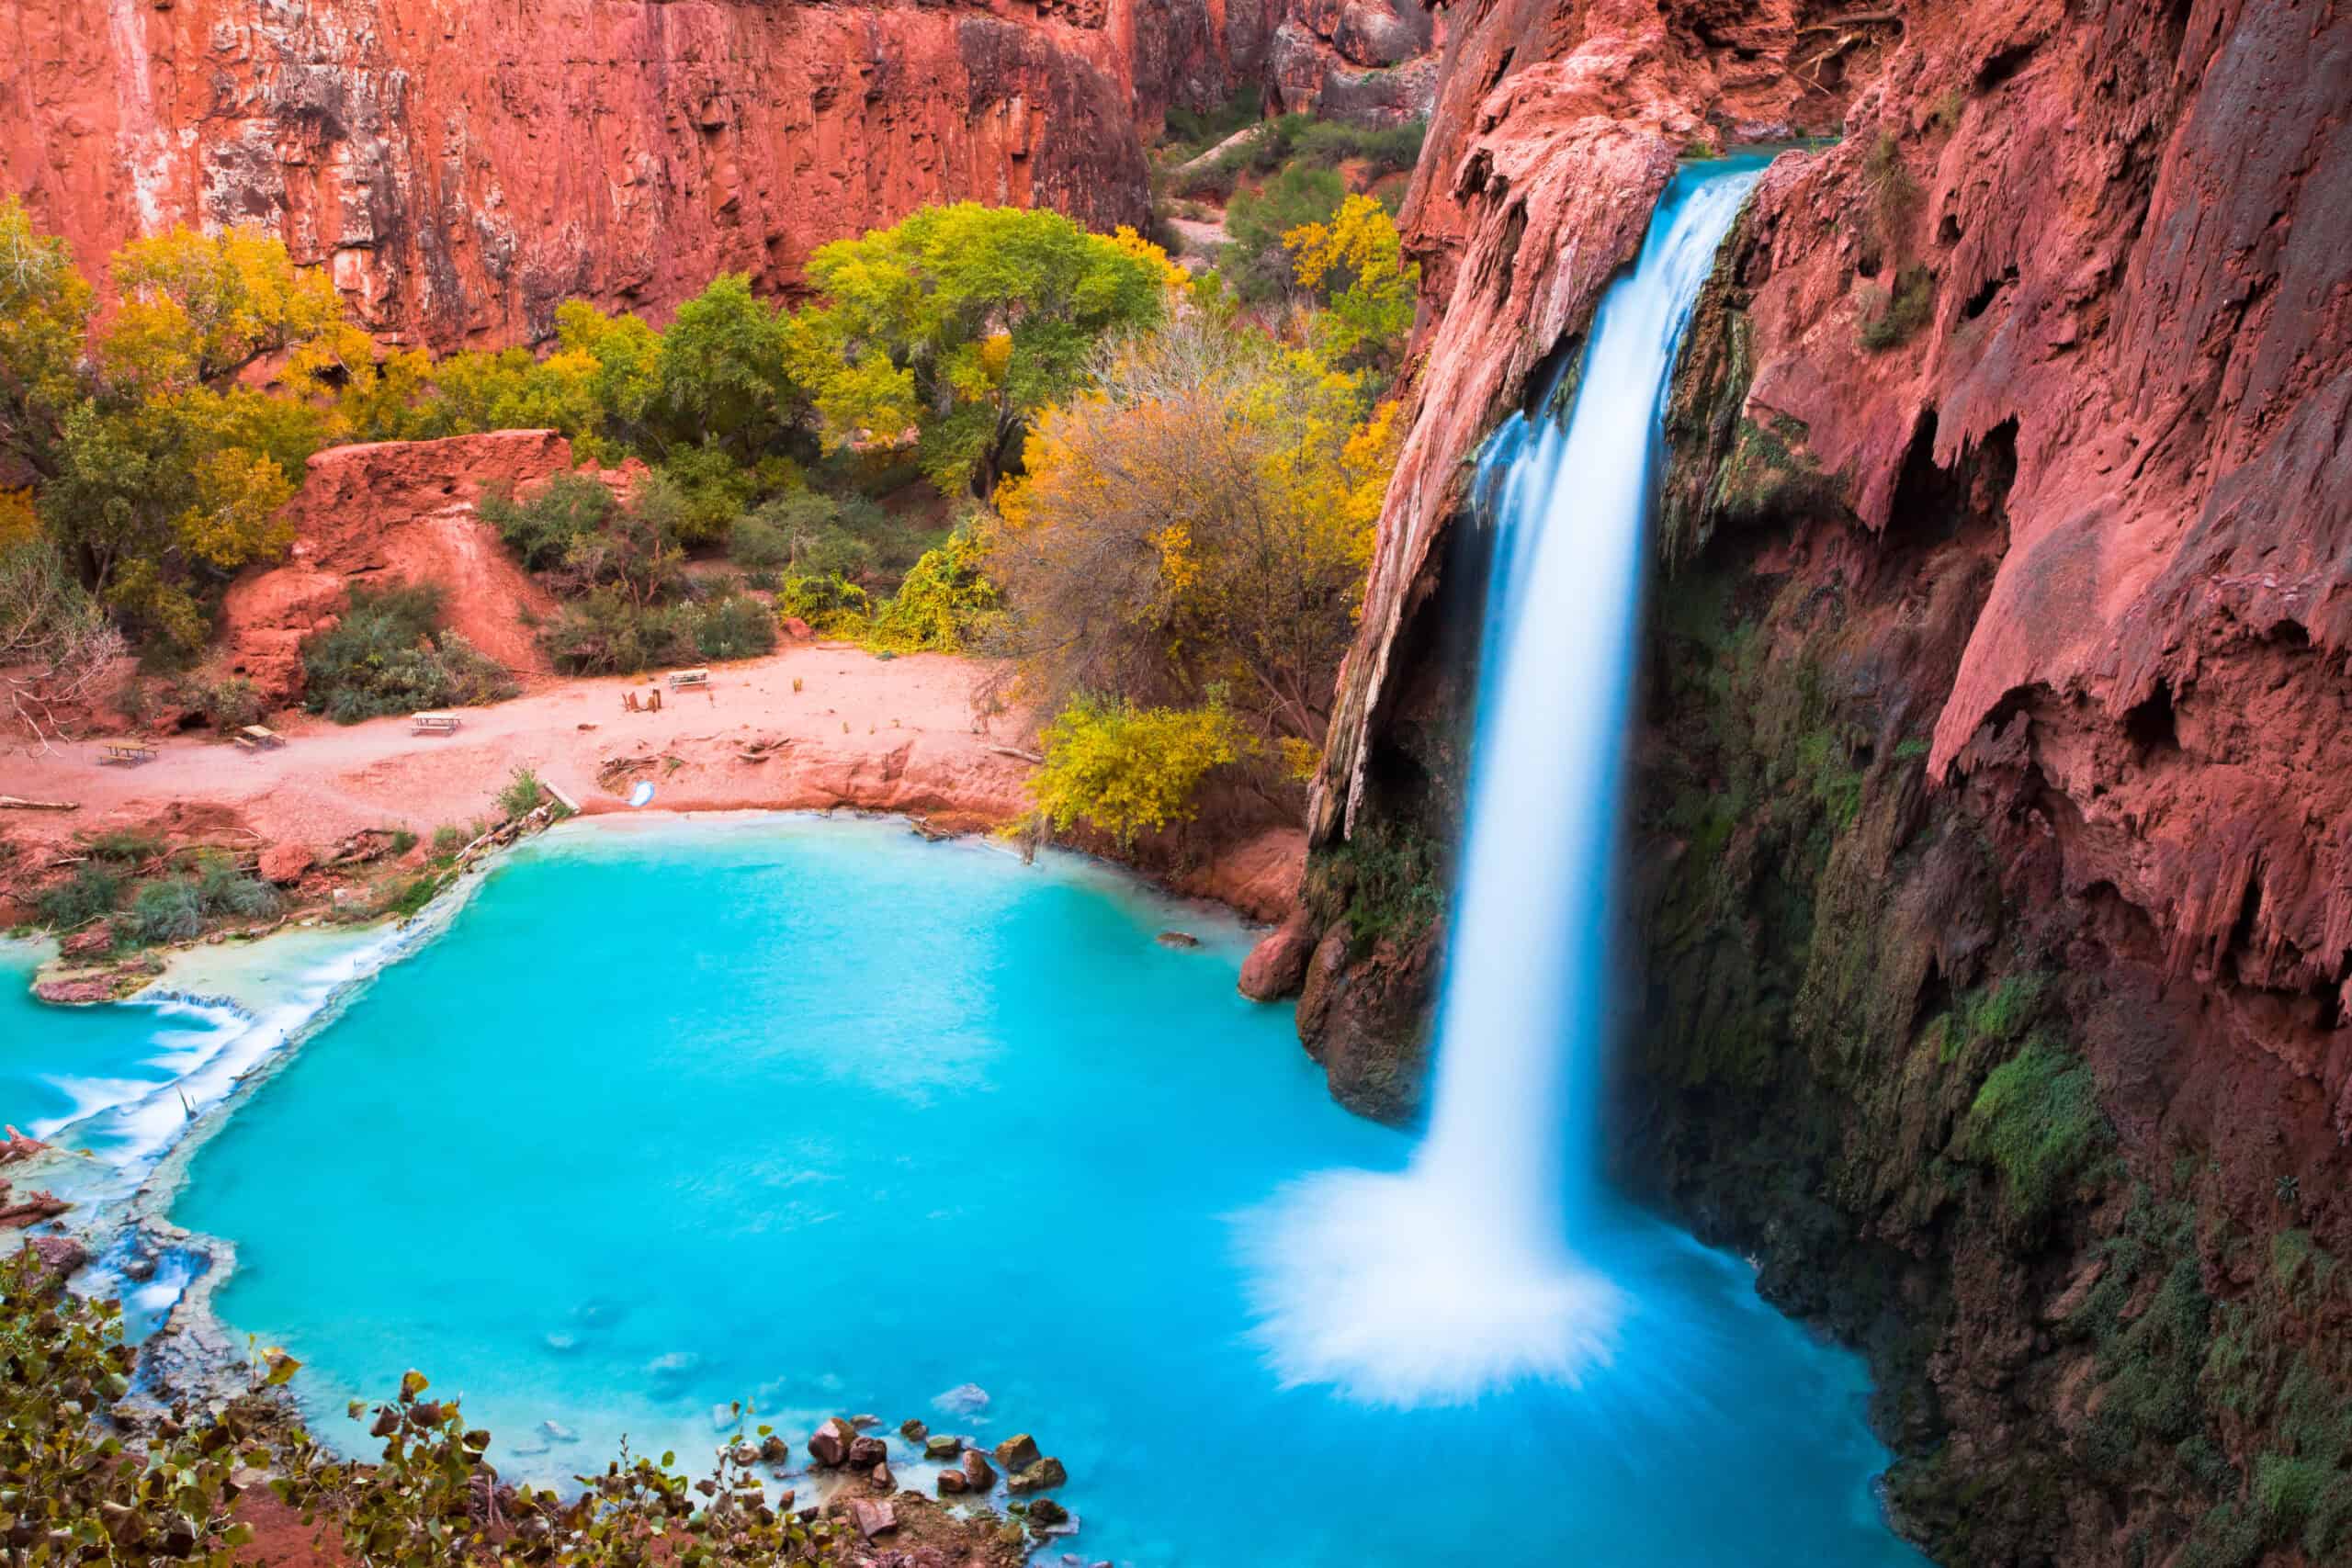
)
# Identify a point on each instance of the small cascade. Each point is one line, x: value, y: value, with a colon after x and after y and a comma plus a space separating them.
x: 1459, y: 1275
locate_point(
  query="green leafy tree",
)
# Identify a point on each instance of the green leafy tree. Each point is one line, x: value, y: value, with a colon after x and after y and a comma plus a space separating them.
x: 960, y: 323
x: 722, y: 378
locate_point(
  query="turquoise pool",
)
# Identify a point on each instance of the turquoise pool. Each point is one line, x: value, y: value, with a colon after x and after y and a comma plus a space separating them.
x: 814, y: 1113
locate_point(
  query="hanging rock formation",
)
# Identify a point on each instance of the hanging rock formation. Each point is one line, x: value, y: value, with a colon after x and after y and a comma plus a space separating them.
x: 1996, y: 810
x: 466, y: 165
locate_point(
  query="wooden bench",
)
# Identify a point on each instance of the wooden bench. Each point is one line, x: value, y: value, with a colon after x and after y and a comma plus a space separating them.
x: 689, y: 677
x: 432, y: 724
x: 259, y: 736
x: 131, y: 751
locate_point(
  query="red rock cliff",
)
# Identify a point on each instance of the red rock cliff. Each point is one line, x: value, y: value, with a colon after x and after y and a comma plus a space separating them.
x: 1997, y: 714
x: 464, y: 165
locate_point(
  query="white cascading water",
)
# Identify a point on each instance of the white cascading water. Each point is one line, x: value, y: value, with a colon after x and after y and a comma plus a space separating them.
x: 1458, y: 1275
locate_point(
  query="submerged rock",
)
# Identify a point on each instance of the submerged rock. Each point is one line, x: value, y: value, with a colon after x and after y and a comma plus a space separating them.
x: 774, y: 1450
x: 913, y: 1430
x: 964, y: 1399
x: 864, y: 1453
x: 1179, y: 939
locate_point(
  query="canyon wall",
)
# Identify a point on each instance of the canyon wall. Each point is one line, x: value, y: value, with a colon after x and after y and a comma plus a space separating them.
x: 463, y: 166
x: 1994, y: 822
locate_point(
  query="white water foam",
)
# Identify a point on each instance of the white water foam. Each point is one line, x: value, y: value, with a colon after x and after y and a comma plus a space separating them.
x: 1456, y: 1276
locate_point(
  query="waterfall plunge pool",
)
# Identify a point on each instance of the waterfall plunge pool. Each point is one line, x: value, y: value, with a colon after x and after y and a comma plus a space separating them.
x: 814, y: 1113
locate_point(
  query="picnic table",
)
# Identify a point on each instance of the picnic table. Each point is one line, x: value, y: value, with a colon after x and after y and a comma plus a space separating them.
x: 261, y: 736
x: 432, y: 724
x: 131, y: 751
x: 689, y: 677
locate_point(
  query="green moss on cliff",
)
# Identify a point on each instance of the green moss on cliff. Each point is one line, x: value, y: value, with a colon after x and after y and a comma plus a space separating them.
x: 2038, y: 1118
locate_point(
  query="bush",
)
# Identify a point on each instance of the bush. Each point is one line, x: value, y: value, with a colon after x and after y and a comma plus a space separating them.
x: 449, y: 838
x: 943, y: 601
x: 734, y: 627
x: 223, y: 889
x: 383, y: 656
x: 607, y: 632
x: 1256, y: 263
x: 166, y: 911
x: 2038, y: 1118
x: 1889, y: 317
x: 1124, y: 769
x: 757, y: 543
x: 521, y: 795
x: 541, y: 529
x: 824, y: 601
x: 227, y: 706
x: 126, y: 845
x: 86, y: 895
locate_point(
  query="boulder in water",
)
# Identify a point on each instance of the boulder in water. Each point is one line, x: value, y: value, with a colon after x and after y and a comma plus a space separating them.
x: 941, y: 1446
x: 1041, y: 1476
x: 1017, y: 1452
x: 774, y: 1450
x: 1046, y: 1514
x: 979, y: 1476
x: 830, y: 1444
x: 914, y: 1431
x: 1276, y: 967
x: 882, y: 1480
x: 864, y: 1453
x: 952, y: 1483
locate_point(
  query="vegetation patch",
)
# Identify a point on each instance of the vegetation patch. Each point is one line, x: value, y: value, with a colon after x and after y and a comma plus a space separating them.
x: 2038, y: 1118
x: 389, y: 653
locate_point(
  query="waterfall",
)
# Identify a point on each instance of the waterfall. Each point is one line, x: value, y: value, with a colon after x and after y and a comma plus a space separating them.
x: 1458, y: 1275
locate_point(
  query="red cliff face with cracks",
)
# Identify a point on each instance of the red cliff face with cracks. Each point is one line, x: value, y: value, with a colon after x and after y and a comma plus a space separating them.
x: 464, y: 165
x: 2015, y: 429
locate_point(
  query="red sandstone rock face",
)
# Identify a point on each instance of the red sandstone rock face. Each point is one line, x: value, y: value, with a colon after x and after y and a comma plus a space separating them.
x: 464, y: 165
x: 1369, y: 61
x: 1555, y: 128
x: 396, y: 511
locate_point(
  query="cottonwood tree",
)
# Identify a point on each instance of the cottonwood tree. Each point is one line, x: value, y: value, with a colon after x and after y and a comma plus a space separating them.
x: 1201, y: 516
x: 960, y: 324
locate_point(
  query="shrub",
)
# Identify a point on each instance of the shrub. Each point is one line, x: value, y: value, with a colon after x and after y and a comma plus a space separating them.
x: 756, y: 542
x: 449, y: 838
x: 223, y: 889
x: 734, y: 627
x: 227, y: 706
x: 166, y: 911
x: 2037, y: 1118
x: 607, y: 632
x: 521, y: 795
x: 826, y: 603
x: 81, y: 898
x: 541, y: 529
x: 1256, y: 263
x: 942, y: 600
x: 383, y: 656
x: 1124, y: 769
x: 126, y: 845
x: 1889, y: 317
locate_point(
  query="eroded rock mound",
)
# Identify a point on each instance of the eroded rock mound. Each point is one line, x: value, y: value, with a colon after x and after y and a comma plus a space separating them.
x: 396, y: 511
